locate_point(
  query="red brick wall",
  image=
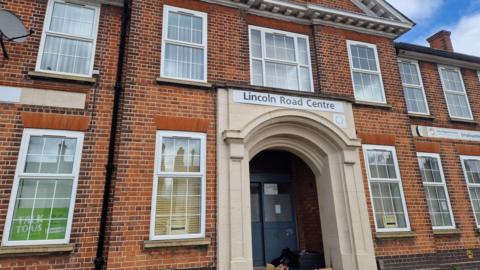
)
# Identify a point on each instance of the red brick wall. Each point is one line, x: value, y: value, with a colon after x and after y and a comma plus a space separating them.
x: 334, y: 78
x: 144, y: 100
x: 228, y: 61
x: 13, y: 72
x: 306, y: 207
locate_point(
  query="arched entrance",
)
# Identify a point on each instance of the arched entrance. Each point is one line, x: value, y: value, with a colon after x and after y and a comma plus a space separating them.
x: 284, y: 210
x: 329, y: 151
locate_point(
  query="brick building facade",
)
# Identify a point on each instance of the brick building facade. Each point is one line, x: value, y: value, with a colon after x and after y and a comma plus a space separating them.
x: 244, y: 127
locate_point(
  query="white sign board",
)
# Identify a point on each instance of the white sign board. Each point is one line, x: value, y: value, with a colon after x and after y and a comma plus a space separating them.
x: 250, y: 97
x: 448, y: 133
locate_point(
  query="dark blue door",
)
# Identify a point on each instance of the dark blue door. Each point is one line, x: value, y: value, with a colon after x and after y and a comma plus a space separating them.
x: 257, y: 224
x: 273, y: 218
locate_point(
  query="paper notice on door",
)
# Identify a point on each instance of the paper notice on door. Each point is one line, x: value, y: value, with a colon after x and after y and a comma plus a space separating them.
x: 270, y: 189
x: 278, y: 209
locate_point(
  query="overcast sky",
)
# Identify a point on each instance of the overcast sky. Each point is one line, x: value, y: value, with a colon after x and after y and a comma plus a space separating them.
x: 461, y: 17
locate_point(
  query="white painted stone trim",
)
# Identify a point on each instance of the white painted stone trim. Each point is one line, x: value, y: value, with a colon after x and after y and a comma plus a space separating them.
x: 42, y: 97
x: 332, y: 154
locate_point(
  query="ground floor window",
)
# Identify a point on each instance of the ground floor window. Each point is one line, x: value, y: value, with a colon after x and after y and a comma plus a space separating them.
x: 178, y: 209
x: 436, y: 191
x: 386, y: 190
x: 471, y: 169
x: 43, y: 194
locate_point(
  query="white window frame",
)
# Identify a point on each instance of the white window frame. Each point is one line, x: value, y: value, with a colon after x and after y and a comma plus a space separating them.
x: 158, y: 173
x: 478, y: 74
x: 264, y: 58
x: 445, y: 91
x: 368, y: 147
x: 46, y: 31
x: 19, y: 173
x: 462, y: 160
x: 165, y: 40
x: 442, y: 184
x: 352, y: 69
x: 421, y: 86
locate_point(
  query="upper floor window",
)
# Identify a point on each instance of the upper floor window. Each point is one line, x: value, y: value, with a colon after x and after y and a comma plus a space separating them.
x: 366, y: 74
x: 178, y: 207
x: 184, y: 44
x: 386, y: 190
x: 471, y: 170
x: 436, y: 191
x: 43, y: 193
x: 280, y: 59
x: 455, y: 94
x: 69, y: 38
x: 413, y: 87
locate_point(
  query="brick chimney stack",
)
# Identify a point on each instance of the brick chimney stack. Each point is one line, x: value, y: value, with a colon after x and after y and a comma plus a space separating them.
x: 441, y: 41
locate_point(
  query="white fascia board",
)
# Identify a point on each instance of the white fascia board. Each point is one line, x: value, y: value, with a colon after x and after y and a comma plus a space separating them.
x: 355, y: 29
x: 364, y: 8
x: 392, y: 10
x: 278, y: 16
x: 286, y: 4
x: 310, y: 11
x: 360, y: 16
x: 438, y: 59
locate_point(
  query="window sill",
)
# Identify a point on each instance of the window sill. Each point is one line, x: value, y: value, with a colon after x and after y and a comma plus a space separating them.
x: 183, y: 82
x: 421, y: 116
x: 70, y: 78
x: 6, y: 251
x: 394, y: 235
x: 459, y: 120
x: 373, y: 104
x: 446, y: 232
x: 151, y: 244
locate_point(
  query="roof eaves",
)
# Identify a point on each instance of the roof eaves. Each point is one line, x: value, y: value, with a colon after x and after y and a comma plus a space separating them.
x: 435, y: 55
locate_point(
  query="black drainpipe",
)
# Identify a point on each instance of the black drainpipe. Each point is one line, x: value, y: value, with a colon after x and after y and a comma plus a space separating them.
x: 100, y: 257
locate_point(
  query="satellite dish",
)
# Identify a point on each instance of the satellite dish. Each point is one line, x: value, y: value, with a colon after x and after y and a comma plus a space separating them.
x: 11, y: 29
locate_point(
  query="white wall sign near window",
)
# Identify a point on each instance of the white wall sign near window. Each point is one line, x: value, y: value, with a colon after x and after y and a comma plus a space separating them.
x: 413, y: 87
x: 471, y: 170
x: 280, y: 59
x: 178, y: 199
x: 455, y: 94
x: 389, y: 208
x: 69, y: 38
x: 44, y: 188
x: 184, y: 44
x: 366, y: 74
x: 436, y: 192
x: 448, y: 133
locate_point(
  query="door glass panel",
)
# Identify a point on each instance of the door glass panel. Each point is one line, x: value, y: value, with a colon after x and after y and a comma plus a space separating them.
x: 255, y: 202
x: 277, y: 204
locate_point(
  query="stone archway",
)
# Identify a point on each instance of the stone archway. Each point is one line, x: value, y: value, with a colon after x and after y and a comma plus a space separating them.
x: 330, y: 152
